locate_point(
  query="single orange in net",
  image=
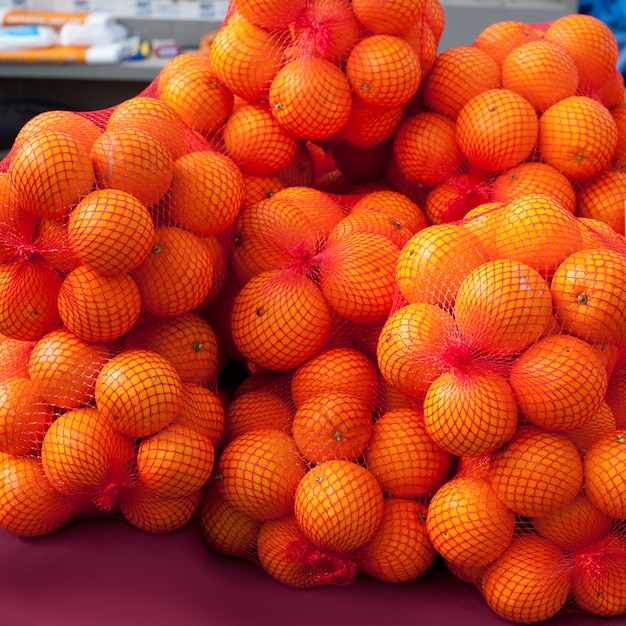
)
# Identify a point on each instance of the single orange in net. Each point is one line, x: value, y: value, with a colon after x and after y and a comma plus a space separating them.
x: 339, y: 505
x: 256, y: 142
x: 384, y: 70
x: 139, y: 392
x: 400, y: 550
x: 311, y: 98
x: 592, y: 45
x: 28, y: 299
x: 619, y: 115
x: 603, y: 199
x: 467, y: 523
x: 616, y: 395
x: 98, y: 307
x: 176, y: 275
x: 599, y: 576
x: 258, y: 473
x: 534, y: 177
x: 206, y: 193
x: 497, y: 129
x: 502, y: 307
x: 153, y: 513
x: 426, y: 150
x: 203, y: 410
x: 14, y: 355
x: 392, y: 18
x: 613, y: 93
x: 605, y: 473
x: 134, y: 161
x: 603, y: 421
x: 575, y: 526
x: 542, y: 71
x: 65, y: 367
x: 502, y: 37
x: 469, y: 69
x: 332, y: 425
x: 468, y: 412
x: 422, y: 39
x: 369, y: 125
x: 577, y: 136
x: 188, y: 341
x: 405, y: 460
x: 50, y: 170
x: 432, y: 264
x: 29, y: 505
x: 24, y: 416
x: 280, y: 319
x: 85, y: 458
x: 536, y: 472
x: 271, y: 14
x: 529, y: 583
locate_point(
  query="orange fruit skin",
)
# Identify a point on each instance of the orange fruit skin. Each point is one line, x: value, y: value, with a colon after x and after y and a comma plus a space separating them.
x: 616, y: 395
x: 271, y: 14
x: 603, y: 199
x: 353, y: 497
x: 602, y: 422
x: 54, y: 246
x: 202, y: 410
x: 502, y: 37
x: 393, y: 17
x: 529, y: 583
x: 369, y: 125
x: 14, y: 355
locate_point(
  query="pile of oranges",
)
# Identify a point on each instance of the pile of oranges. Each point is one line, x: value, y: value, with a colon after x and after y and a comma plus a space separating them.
x: 352, y: 304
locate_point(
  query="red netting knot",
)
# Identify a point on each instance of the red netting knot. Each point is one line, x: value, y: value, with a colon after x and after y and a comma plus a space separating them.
x: 324, y: 567
x: 316, y: 37
x: 106, y: 499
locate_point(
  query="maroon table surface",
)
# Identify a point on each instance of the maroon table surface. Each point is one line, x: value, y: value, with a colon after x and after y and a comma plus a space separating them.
x: 102, y: 571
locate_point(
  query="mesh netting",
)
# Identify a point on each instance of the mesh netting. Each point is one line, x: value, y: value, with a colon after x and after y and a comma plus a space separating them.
x: 351, y: 304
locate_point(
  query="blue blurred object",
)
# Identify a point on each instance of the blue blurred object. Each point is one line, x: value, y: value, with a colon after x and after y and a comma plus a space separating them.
x: 613, y: 14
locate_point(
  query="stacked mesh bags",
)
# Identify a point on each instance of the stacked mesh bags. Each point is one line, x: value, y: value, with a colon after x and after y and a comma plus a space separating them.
x: 353, y: 304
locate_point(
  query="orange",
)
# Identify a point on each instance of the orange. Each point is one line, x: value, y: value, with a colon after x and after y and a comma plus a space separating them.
x: 592, y: 45
x: 392, y: 18
x: 28, y: 299
x: 260, y: 187
x: 50, y: 170
x: 65, y: 367
x: 616, y: 395
x: 139, y: 392
x: 470, y: 412
x: 356, y: 276
x: 537, y: 230
x: 256, y: 142
x: 589, y: 295
x: 503, y: 36
x: 270, y: 13
x: 435, y: 16
x: 14, y: 355
x: 603, y: 199
x: 577, y: 136
x: 245, y: 57
x: 289, y: 556
x: 110, y: 231
x: 216, y: 247
x: 619, y: 115
x: 153, y: 116
x: 223, y: 528
x: 280, y: 319
x: 187, y: 341
x: 422, y: 39
x: 486, y: 123
x: 339, y: 505
x: 98, y: 307
x: 605, y: 475
x: 24, y: 416
x: 598, y: 234
x: 542, y: 71
x: 257, y: 408
x: 194, y: 91
x: 400, y: 550
x: 384, y: 70
x: 176, y: 461
x: 481, y: 221
x: 336, y: 370
x: 529, y: 583
x: 369, y: 125
x: 206, y: 193
x: 534, y: 177
x: 613, y: 93
x: 467, y: 523
x: 29, y: 505
x: 202, y: 410
x: 502, y: 307
x: 153, y: 513
x: 469, y: 69
x: 85, y: 458
x: 16, y: 225
x: 432, y: 264
x: 575, y: 526
x: 601, y: 422
x: 471, y: 574
x: 53, y: 244
x: 310, y: 98
x: 559, y: 382
x: 599, y: 577
x: 332, y: 425
x: 258, y: 473
x: 537, y: 472
x: 411, y: 347
x: 426, y: 150
x: 176, y: 275
x: 403, y: 457
x: 134, y: 161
